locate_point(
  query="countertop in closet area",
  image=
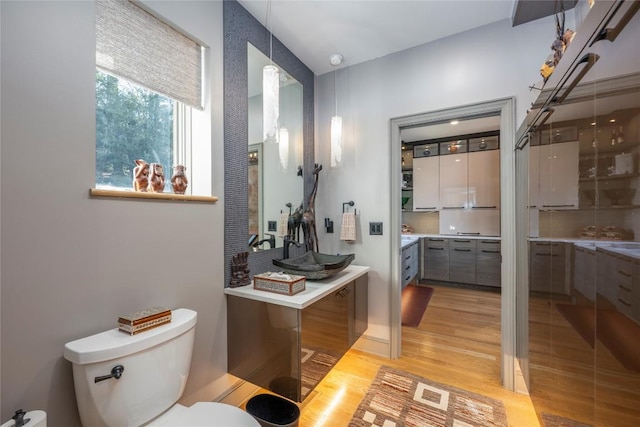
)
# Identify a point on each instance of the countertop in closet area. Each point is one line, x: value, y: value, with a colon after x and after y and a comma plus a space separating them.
x: 620, y: 247
x: 407, y: 239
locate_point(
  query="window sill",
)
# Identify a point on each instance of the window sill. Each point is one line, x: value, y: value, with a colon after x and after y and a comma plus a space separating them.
x: 97, y: 192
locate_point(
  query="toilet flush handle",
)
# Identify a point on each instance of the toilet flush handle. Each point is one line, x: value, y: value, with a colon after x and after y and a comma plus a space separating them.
x: 116, y: 373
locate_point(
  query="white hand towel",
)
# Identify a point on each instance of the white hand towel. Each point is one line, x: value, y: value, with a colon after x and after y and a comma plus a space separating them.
x: 283, y: 224
x: 348, y: 229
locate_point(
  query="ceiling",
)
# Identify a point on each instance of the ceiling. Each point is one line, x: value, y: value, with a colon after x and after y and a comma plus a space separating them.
x: 362, y: 30
x: 445, y: 130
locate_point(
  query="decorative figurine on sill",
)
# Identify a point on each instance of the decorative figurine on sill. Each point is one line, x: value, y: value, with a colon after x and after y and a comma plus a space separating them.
x: 309, y: 215
x: 179, y: 180
x: 156, y: 178
x: 141, y: 175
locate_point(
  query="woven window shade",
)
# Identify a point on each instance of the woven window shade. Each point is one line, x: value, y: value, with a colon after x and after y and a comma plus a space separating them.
x: 133, y: 44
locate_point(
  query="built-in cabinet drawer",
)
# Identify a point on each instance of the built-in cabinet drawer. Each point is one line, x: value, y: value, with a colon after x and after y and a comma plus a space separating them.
x: 410, y: 255
x: 488, y: 263
x: 606, y: 266
x: 462, y: 260
x: 547, y: 267
x: 435, y: 258
x: 624, y: 280
x: 584, y: 276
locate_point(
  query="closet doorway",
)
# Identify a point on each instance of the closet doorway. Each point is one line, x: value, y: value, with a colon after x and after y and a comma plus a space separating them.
x: 504, y: 109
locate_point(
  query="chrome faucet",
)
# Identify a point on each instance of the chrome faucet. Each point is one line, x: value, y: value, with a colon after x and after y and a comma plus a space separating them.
x: 271, y: 240
x: 285, y: 249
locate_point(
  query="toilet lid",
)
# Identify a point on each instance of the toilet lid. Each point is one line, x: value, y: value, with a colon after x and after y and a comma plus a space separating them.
x: 206, y: 414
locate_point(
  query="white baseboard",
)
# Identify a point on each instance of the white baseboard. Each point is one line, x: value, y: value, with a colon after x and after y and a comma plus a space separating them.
x: 377, y: 346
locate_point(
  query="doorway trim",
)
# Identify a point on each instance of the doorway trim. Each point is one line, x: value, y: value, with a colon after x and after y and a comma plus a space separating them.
x: 505, y: 108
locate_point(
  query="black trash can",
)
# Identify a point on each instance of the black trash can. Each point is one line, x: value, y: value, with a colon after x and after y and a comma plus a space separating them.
x: 273, y: 411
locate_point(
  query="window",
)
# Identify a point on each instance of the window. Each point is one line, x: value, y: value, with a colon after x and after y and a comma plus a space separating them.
x: 131, y: 123
x: 148, y: 79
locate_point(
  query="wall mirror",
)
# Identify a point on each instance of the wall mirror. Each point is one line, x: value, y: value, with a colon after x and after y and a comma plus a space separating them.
x: 242, y: 30
x: 275, y: 184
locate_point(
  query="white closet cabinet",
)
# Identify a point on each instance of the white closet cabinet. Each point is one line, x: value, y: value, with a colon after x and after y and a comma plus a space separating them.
x: 558, y: 169
x: 426, y: 184
x: 484, y: 179
x: 454, y: 180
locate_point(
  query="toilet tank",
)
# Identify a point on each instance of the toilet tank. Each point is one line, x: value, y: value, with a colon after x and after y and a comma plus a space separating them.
x: 156, y: 367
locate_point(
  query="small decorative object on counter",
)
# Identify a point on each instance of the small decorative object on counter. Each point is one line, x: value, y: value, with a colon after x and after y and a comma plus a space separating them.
x: 406, y: 229
x: 141, y: 176
x: 179, y: 180
x: 280, y: 283
x: 240, y: 270
x: 144, y: 320
x: 156, y: 178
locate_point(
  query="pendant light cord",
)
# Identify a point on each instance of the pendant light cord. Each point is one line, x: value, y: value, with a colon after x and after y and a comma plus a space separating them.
x: 335, y: 88
x: 270, y: 33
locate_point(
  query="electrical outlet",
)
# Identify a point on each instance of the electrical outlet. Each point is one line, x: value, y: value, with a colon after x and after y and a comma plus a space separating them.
x: 375, y: 228
x: 272, y: 226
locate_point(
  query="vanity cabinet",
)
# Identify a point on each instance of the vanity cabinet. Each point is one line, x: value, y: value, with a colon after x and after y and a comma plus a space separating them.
x: 489, y: 263
x: 548, y: 267
x: 426, y: 184
x: 410, y: 255
x: 275, y: 345
x: 462, y: 260
x: 435, y: 258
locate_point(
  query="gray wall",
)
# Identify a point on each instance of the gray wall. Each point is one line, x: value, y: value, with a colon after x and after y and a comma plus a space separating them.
x: 492, y: 62
x: 71, y: 264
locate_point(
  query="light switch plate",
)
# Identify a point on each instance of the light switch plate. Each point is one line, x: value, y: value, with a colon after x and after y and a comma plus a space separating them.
x: 375, y: 228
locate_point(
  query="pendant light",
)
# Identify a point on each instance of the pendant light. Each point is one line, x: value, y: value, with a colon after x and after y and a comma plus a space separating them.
x: 283, y: 147
x: 270, y: 91
x: 336, y: 121
x: 283, y: 132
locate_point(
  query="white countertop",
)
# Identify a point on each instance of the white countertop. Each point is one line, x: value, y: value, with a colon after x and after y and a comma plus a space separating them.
x: 407, y: 239
x: 314, y: 289
x: 625, y: 248
x: 452, y: 236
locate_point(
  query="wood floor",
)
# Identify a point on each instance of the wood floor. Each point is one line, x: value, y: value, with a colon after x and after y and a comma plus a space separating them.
x: 457, y: 343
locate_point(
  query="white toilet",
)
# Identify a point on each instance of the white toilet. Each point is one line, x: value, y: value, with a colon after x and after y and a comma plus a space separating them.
x: 153, y: 368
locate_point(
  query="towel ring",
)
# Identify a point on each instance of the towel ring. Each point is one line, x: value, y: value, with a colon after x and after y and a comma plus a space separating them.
x: 350, y: 203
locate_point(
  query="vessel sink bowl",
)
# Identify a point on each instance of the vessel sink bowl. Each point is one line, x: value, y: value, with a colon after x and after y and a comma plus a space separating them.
x: 315, y: 265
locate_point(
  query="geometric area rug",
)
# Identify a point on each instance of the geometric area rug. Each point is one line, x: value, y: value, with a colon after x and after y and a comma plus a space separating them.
x: 316, y: 364
x: 551, y: 420
x: 397, y: 399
